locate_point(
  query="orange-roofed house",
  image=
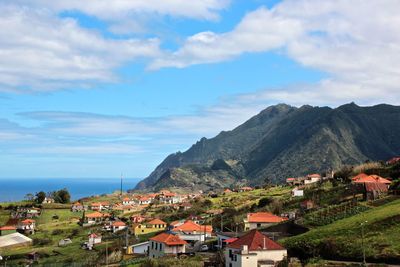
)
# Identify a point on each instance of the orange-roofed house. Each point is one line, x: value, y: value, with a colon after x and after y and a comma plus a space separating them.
x: 118, y: 226
x: 254, y: 249
x: 155, y: 225
x: 191, y: 231
x: 165, y: 244
x: 227, y: 191
x: 145, y: 200
x: 261, y: 219
x: 27, y: 226
x: 95, y: 217
x: 363, y: 178
x: 128, y: 201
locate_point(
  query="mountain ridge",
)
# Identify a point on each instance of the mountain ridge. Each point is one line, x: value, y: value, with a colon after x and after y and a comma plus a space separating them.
x: 283, y: 141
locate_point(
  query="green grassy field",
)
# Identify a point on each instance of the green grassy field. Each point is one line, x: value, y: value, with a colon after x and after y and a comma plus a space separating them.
x: 343, y: 239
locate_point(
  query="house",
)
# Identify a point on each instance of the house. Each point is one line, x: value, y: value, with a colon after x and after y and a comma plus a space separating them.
x: 128, y: 201
x: 261, y: 219
x: 296, y: 192
x: 7, y: 229
x: 312, y: 178
x: 26, y: 226
x: 14, y: 240
x: 94, y: 239
x: 254, y: 249
x: 128, y: 209
x: 375, y: 190
x: 137, y: 219
x: 245, y: 189
x: 227, y: 191
x: 307, y: 205
x: 100, y: 206
x: 291, y: 181
x: 48, y: 200
x: 170, y: 198
x: 140, y: 248
x: 78, y: 207
x: 166, y: 244
x: 118, y: 226
x: 144, y: 200
x: 95, y: 218
x: 364, y: 178
x: 196, y: 219
x: 393, y: 161
x: 191, y: 231
x: 152, y: 226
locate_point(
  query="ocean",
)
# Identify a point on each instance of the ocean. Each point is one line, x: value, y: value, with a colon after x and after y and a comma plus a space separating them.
x: 16, y: 188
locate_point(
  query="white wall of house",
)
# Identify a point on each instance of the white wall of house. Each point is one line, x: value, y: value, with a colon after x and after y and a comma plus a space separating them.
x: 157, y: 249
x: 250, y: 258
x: 252, y: 225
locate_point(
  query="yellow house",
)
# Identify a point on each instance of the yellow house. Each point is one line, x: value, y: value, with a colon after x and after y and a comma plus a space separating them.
x: 152, y: 226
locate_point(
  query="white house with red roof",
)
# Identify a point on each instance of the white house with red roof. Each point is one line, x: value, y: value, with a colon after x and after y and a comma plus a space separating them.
x: 166, y: 244
x: 254, y: 249
x: 118, y: 226
x: 312, y: 178
x: 261, y: 219
x: 27, y: 226
x: 191, y: 231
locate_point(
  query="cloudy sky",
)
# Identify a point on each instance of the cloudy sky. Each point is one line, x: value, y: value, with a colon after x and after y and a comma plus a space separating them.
x: 96, y: 88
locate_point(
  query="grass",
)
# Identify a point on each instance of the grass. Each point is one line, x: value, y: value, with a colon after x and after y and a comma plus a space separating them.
x: 342, y: 239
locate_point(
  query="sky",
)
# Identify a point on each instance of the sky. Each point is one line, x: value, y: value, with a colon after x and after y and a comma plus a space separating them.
x: 99, y: 88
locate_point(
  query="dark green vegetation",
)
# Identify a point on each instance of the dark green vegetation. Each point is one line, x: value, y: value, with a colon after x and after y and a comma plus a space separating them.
x: 280, y: 142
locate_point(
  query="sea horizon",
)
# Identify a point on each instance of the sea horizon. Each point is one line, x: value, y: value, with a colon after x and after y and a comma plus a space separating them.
x: 15, y: 189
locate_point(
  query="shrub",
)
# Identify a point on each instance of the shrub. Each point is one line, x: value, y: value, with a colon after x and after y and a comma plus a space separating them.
x: 41, y: 241
x: 57, y: 232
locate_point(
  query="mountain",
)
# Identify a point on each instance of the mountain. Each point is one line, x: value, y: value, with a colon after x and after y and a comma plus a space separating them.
x: 283, y: 141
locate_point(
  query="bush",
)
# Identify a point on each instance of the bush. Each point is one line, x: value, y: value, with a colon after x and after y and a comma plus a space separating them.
x: 41, y: 241
x: 57, y: 232
x: 74, y: 232
x: 264, y: 202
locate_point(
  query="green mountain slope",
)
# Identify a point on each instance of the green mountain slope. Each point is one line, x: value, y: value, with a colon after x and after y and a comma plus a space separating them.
x: 284, y: 141
x: 343, y: 239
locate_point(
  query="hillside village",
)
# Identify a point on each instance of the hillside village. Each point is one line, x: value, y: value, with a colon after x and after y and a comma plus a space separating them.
x: 269, y: 225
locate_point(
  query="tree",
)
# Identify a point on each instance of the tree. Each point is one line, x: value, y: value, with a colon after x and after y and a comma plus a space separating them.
x: 40, y: 196
x: 29, y: 197
x: 62, y: 196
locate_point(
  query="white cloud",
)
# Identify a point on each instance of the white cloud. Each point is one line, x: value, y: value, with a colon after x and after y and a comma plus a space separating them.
x: 41, y: 52
x: 121, y: 9
x: 357, y: 43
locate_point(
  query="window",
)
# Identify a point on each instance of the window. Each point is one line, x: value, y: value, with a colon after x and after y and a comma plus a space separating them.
x: 156, y: 246
x: 160, y: 247
x: 258, y: 224
x: 152, y: 245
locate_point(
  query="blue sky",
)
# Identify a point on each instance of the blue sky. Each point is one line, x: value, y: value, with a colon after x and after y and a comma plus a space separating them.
x: 94, y: 89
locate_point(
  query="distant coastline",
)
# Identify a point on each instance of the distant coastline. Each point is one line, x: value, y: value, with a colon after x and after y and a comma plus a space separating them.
x: 15, y: 189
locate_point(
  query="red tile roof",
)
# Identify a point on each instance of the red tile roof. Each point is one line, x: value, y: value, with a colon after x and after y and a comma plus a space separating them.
x: 190, y: 226
x: 170, y: 240
x: 314, y: 175
x: 4, y: 228
x: 156, y: 221
x: 264, y: 217
x: 96, y: 215
x: 290, y: 179
x: 118, y: 224
x: 370, y: 179
x: 255, y: 241
x: 28, y: 221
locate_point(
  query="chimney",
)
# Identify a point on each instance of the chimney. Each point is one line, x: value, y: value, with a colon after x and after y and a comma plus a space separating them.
x: 245, y: 249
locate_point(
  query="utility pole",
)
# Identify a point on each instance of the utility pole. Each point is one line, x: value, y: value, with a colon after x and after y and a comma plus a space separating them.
x: 362, y: 240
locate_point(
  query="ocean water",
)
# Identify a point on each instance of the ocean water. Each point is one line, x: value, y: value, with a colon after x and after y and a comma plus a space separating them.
x: 16, y: 188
